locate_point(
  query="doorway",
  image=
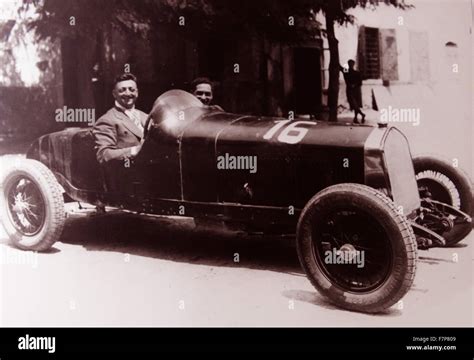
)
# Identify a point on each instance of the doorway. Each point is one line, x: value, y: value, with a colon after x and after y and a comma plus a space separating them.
x: 307, y: 86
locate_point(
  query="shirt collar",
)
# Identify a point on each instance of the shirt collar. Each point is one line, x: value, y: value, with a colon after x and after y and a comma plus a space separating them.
x: 121, y: 108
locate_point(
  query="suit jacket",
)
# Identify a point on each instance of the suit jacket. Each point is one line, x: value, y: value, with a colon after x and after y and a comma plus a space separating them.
x: 115, y: 134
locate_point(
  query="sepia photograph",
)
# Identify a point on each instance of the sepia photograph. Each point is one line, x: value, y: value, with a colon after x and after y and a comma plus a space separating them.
x: 235, y: 164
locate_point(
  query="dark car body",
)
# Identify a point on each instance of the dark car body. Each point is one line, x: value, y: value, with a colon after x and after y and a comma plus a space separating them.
x: 176, y: 171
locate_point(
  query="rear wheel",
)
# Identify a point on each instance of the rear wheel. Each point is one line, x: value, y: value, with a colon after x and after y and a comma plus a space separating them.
x: 31, y: 205
x: 441, y: 181
x: 355, y: 247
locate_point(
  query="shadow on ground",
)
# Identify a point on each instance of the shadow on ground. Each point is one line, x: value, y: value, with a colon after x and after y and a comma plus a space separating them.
x: 315, y: 298
x: 178, y: 240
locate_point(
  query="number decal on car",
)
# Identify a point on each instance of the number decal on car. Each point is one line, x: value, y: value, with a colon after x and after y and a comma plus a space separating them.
x: 292, y: 134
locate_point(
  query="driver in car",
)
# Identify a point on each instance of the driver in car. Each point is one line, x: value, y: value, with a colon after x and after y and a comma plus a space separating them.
x: 118, y: 133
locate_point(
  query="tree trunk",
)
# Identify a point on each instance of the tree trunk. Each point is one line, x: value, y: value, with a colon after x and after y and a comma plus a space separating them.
x: 333, y: 88
x: 264, y: 76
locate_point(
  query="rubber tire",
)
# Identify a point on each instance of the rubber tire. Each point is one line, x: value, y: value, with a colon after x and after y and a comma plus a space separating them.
x: 463, y: 185
x: 54, y: 205
x: 402, y: 239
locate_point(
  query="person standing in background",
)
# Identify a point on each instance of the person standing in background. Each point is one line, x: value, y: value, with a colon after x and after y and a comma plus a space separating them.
x: 353, y: 79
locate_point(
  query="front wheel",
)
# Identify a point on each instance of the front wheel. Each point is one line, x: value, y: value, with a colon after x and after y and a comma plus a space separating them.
x: 31, y: 205
x: 355, y: 248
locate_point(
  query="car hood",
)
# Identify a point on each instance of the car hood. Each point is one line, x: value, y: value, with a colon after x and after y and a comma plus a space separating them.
x: 179, y: 114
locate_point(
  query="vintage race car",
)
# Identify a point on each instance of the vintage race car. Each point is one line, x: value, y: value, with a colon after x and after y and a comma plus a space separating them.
x: 357, y: 202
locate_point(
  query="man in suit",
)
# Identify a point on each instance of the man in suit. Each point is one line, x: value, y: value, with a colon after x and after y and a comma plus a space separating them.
x: 119, y: 132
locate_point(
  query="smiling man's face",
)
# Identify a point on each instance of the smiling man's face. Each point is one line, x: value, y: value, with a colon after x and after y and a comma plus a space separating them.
x: 204, y: 93
x: 126, y: 93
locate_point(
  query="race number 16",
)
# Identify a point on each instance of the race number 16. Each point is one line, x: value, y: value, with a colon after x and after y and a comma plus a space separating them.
x: 292, y: 134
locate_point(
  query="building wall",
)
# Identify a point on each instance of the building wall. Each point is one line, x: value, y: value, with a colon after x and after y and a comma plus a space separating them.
x: 426, y: 76
x: 162, y: 60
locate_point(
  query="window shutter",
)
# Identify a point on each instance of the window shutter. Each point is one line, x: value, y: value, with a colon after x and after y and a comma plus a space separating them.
x: 361, y: 52
x: 419, y: 56
x: 388, y: 54
x: 369, y: 54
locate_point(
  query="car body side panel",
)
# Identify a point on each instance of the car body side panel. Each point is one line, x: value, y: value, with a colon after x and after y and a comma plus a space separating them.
x: 86, y: 172
x: 70, y: 153
x: 289, y: 174
x: 263, y: 184
x: 157, y: 167
x: 198, y: 161
x: 319, y: 167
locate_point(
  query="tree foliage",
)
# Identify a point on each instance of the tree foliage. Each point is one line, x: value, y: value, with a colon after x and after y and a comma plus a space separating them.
x: 268, y: 19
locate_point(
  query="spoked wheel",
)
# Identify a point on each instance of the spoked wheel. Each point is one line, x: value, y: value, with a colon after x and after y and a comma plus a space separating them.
x: 439, y: 187
x: 31, y: 205
x: 440, y: 181
x: 346, y: 236
x: 26, y: 205
x: 355, y: 247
